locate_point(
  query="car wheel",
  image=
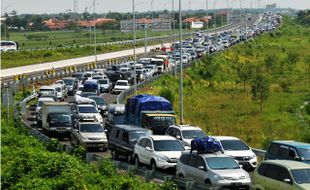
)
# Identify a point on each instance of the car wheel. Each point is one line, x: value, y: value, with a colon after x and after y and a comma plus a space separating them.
x: 114, y: 154
x: 208, y: 182
x: 136, y: 161
x: 129, y: 158
x: 153, y: 165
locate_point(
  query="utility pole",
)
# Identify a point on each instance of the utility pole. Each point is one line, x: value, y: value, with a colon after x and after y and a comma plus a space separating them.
x: 153, y: 24
x: 207, y: 13
x: 95, y: 37
x: 181, y: 63
x: 145, y: 39
x: 134, y: 46
x: 173, y: 29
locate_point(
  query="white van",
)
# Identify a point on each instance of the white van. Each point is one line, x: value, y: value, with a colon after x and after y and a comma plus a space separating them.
x: 6, y: 46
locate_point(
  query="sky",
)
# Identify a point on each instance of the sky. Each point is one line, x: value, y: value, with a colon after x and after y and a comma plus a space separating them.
x: 104, y: 6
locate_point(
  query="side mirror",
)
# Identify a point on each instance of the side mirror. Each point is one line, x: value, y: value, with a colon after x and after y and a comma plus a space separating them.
x: 178, y: 137
x: 148, y: 149
x: 201, y: 168
x: 287, y: 181
x: 297, y: 158
x: 75, y: 130
x: 241, y: 166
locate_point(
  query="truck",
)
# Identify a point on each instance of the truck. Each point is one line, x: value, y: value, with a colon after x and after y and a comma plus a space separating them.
x: 151, y: 112
x: 56, y: 118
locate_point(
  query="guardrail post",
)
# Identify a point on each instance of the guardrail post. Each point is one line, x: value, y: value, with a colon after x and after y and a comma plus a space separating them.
x: 149, y: 174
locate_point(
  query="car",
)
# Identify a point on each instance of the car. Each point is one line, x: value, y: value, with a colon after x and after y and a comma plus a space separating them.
x: 116, y: 116
x: 101, y: 104
x: 281, y: 174
x: 72, y: 84
x: 48, y: 91
x: 87, y: 94
x: 185, y: 133
x: 86, y: 110
x: 91, y: 85
x: 239, y: 151
x: 78, y: 75
x: 288, y: 150
x: 158, y: 151
x: 123, y: 138
x: 213, y: 169
x: 105, y: 85
x: 61, y: 91
x: 120, y: 86
x: 88, y: 133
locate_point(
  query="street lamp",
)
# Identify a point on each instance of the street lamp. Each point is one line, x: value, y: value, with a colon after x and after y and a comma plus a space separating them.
x: 173, y: 33
x: 5, y: 28
x: 134, y: 46
x: 181, y: 64
x: 95, y: 39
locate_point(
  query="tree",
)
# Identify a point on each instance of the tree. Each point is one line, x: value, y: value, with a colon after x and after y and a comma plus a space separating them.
x: 260, y: 90
x: 245, y: 73
x: 270, y: 61
x: 307, y: 67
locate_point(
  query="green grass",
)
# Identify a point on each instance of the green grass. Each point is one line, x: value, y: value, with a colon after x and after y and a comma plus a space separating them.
x: 214, y: 98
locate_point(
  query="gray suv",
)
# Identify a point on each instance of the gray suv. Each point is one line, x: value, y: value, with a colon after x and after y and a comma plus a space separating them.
x: 213, y: 169
x: 122, y: 140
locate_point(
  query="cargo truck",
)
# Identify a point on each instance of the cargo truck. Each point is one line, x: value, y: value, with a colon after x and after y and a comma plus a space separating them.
x: 151, y: 112
x: 56, y: 118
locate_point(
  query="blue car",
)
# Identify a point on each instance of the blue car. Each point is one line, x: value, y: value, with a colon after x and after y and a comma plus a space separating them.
x: 288, y: 150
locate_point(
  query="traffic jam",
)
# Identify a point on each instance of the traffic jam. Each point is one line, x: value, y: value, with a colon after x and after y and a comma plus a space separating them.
x: 144, y: 131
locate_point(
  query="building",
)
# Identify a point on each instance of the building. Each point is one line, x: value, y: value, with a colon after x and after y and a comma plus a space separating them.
x: 92, y: 23
x: 56, y: 24
x: 163, y: 23
x: 271, y: 6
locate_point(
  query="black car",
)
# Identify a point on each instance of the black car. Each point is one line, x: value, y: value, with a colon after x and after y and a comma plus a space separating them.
x: 116, y: 116
x: 122, y: 140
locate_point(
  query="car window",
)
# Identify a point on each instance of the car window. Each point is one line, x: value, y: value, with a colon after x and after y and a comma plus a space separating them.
x: 301, y: 175
x: 262, y: 169
x: 168, y: 145
x: 284, y: 174
x: 221, y: 163
x: 148, y: 143
x: 142, y: 142
x: 125, y: 137
x: 200, y: 162
x: 273, y: 172
x: 184, y: 158
x: 283, y: 152
x: 192, y: 160
x: 171, y: 132
x: 117, y: 134
x: 274, y: 149
x: 234, y: 145
x: 304, y: 153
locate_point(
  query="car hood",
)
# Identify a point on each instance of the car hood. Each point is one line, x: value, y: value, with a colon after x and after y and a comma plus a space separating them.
x: 233, y: 174
x: 239, y: 153
x: 171, y: 154
x: 94, y: 136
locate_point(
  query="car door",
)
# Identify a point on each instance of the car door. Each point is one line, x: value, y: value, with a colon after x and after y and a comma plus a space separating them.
x: 148, y: 153
x: 191, y: 164
x: 200, y: 169
x: 284, y: 174
x: 272, y: 177
x: 140, y: 148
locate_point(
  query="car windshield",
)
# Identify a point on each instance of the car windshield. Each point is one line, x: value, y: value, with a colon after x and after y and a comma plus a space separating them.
x: 221, y: 163
x: 168, y: 145
x: 103, y: 81
x: 60, y: 120
x: 234, y: 145
x: 160, y: 121
x: 304, y: 153
x: 91, y: 128
x: 47, y: 91
x: 134, y: 136
x: 119, y: 119
x: 68, y: 81
x: 78, y: 75
x: 58, y: 89
x: 193, y: 134
x: 85, y: 95
x: 301, y: 175
x: 98, y: 100
x: 87, y: 109
x: 121, y: 84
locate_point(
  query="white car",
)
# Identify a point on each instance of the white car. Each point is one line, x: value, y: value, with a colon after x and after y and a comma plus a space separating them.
x: 185, y: 133
x: 158, y: 151
x: 238, y: 150
x: 120, y: 86
x: 213, y: 169
x: 87, y: 111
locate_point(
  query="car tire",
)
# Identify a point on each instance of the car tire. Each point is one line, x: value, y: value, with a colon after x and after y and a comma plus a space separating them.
x: 208, y: 182
x: 153, y: 165
x: 114, y: 154
x: 136, y: 161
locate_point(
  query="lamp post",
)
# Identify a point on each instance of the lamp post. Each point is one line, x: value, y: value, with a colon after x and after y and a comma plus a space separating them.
x: 153, y: 24
x: 181, y: 64
x: 145, y: 38
x: 173, y: 29
x: 5, y: 28
x: 134, y: 46
x: 95, y: 39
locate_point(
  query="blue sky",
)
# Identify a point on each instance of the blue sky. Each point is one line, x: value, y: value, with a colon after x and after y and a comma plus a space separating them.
x: 102, y: 6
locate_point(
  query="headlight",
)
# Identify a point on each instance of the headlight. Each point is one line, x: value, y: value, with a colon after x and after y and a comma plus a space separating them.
x: 253, y: 156
x: 163, y: 158
x: 218, y: 177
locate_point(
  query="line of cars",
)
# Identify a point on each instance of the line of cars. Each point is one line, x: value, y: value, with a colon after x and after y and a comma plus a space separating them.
x: 144, y: 136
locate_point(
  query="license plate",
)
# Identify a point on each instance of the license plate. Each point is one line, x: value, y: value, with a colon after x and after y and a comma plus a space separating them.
x: 236, y: 184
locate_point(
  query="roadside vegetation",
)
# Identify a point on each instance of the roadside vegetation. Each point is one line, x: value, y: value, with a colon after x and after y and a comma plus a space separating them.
x: 27, y: 163
x: 257, y: 91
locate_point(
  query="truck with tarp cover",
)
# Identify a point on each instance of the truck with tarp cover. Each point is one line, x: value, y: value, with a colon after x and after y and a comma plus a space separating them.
x: 151, y: 112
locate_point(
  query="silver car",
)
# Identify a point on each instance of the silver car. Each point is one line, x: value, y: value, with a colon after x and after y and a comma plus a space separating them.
x: 213, y: 169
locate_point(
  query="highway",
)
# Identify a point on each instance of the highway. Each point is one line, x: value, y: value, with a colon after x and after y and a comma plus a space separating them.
x: 29, y: 117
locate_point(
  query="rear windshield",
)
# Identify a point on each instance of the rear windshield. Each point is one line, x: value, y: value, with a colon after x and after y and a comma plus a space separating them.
x: 91, y: 128
x: 121, y: 83
x: 234, y: 145
x: 88, y: 109
x: 103, y: 81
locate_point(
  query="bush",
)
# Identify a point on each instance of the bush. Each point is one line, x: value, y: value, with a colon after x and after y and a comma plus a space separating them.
x: 167, y: 93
